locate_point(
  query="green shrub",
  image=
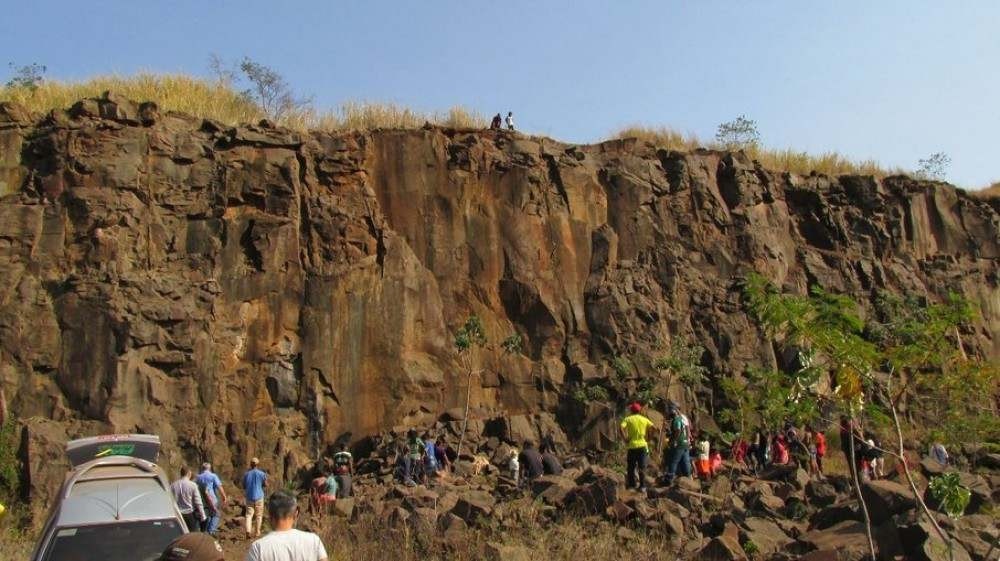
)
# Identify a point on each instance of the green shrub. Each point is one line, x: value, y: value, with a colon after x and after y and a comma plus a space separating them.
x: 947, y: 489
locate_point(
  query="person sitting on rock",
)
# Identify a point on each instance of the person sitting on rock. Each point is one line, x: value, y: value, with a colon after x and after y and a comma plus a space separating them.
x: 441, y: 453
x: 531, y: 463
x: 343, y: 471
x: 678, y: 452
x: 938, y: 452
x: 550, y: 463
x: 431, y: 465
x: 715, y: 460
x: 495, y: 123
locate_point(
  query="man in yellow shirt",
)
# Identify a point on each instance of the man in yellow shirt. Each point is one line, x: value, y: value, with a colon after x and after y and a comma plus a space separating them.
x: 634, y: 429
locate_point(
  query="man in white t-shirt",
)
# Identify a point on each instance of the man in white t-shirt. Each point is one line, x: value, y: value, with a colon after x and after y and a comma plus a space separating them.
x: 285, y: 543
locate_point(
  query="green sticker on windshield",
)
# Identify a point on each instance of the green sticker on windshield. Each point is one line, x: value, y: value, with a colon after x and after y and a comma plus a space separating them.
x: 115, y: 450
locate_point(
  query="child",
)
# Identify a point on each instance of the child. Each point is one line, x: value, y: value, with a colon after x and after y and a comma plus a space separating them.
x: 703, y: 464
x: 514, y: 467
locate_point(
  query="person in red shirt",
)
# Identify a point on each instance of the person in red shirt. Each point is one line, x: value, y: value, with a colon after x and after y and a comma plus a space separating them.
x: 816, y: 442
x: 779, y: 450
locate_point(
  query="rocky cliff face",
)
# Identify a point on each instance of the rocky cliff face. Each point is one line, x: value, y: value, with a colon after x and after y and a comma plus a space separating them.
x: 254, y: 291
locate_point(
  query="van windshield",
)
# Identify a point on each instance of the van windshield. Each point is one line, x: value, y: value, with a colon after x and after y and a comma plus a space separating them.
x: 124, y: 541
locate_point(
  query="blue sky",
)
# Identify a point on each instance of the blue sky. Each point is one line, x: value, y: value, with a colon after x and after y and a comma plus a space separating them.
x: 889, y: 80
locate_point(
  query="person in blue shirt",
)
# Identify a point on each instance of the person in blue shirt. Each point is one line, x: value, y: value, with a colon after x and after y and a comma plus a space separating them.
x: 254, y: 482
x: 214, y: 497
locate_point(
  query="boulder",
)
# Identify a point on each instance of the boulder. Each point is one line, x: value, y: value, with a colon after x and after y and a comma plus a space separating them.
x: 821, y: 493
x: 344, y: 507
x: 886, y: 499
x: 848, y: 538
x: 765, y: 534
x: 921, y: 542
x: 722, y: 548
x: 473, y: 506
x: 593, y: 497
x: 833, y: 515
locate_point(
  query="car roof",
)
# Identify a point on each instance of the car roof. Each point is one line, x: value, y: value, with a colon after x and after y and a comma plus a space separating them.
x: 115, y: 494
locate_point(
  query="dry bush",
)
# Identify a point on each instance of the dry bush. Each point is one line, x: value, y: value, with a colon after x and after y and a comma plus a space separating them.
x: 991, y: 192
x: 217, y: 100
x: 172, y: 92
x: 792, y: 161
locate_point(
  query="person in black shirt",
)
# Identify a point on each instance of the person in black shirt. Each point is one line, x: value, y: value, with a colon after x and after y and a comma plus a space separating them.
x: 550, y: 463
x: 531, y: 462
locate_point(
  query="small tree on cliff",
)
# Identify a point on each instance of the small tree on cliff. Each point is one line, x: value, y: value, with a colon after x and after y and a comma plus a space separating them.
x: 265, y: 86
x: 468, y: 338
x: 913, y: 346
x: 738, y: 134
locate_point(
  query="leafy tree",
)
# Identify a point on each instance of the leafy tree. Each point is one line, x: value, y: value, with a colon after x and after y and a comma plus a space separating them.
x: 28, y: 76
x: 738, y: 134
x: 910, y: 347
x: 933, y: 166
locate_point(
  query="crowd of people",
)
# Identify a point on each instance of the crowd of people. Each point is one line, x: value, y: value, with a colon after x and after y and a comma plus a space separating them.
x: 420, y: 459
x: 690, y: 453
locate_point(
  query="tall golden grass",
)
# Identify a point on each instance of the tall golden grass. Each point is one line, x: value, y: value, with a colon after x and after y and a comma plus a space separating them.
x: 217, y: 100
x: 792, y: 161
x: 991, y: 192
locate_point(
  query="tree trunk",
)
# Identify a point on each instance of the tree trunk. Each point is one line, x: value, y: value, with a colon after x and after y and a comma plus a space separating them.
x: 857, y: 489
x: 913, y: 485
x: 468, y: 400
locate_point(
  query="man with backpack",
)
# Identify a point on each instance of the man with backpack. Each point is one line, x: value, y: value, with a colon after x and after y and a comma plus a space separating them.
x: 343, y: 471
x: 214, y: 497
x: 634, y: 430
x: 678, y: 453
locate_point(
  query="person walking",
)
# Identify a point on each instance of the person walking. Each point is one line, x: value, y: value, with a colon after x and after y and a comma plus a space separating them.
x: 188, y: 500
x: 510, y: 120
x: 414, y: 456
x: 635, y: 429
x: 214, y: 496
x: 678, y: 454
x: 254, y: 483
x: 285, y: 542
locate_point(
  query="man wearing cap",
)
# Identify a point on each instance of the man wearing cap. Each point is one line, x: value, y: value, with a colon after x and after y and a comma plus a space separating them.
x: 284, y: 542
x: 634, y: 429
x: 193, y: 547
x: 254, y: 482
x: 215, y: 497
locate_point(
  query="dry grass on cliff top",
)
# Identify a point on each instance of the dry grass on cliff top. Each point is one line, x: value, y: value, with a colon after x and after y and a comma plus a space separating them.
x: 792, y: 161
x: 212, y: 99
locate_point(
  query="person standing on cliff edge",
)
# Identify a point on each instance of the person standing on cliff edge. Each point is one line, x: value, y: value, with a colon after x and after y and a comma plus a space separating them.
x: 510, y: 120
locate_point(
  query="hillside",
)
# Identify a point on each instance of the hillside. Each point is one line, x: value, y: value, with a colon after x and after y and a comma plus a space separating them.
x: 259, y: 291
